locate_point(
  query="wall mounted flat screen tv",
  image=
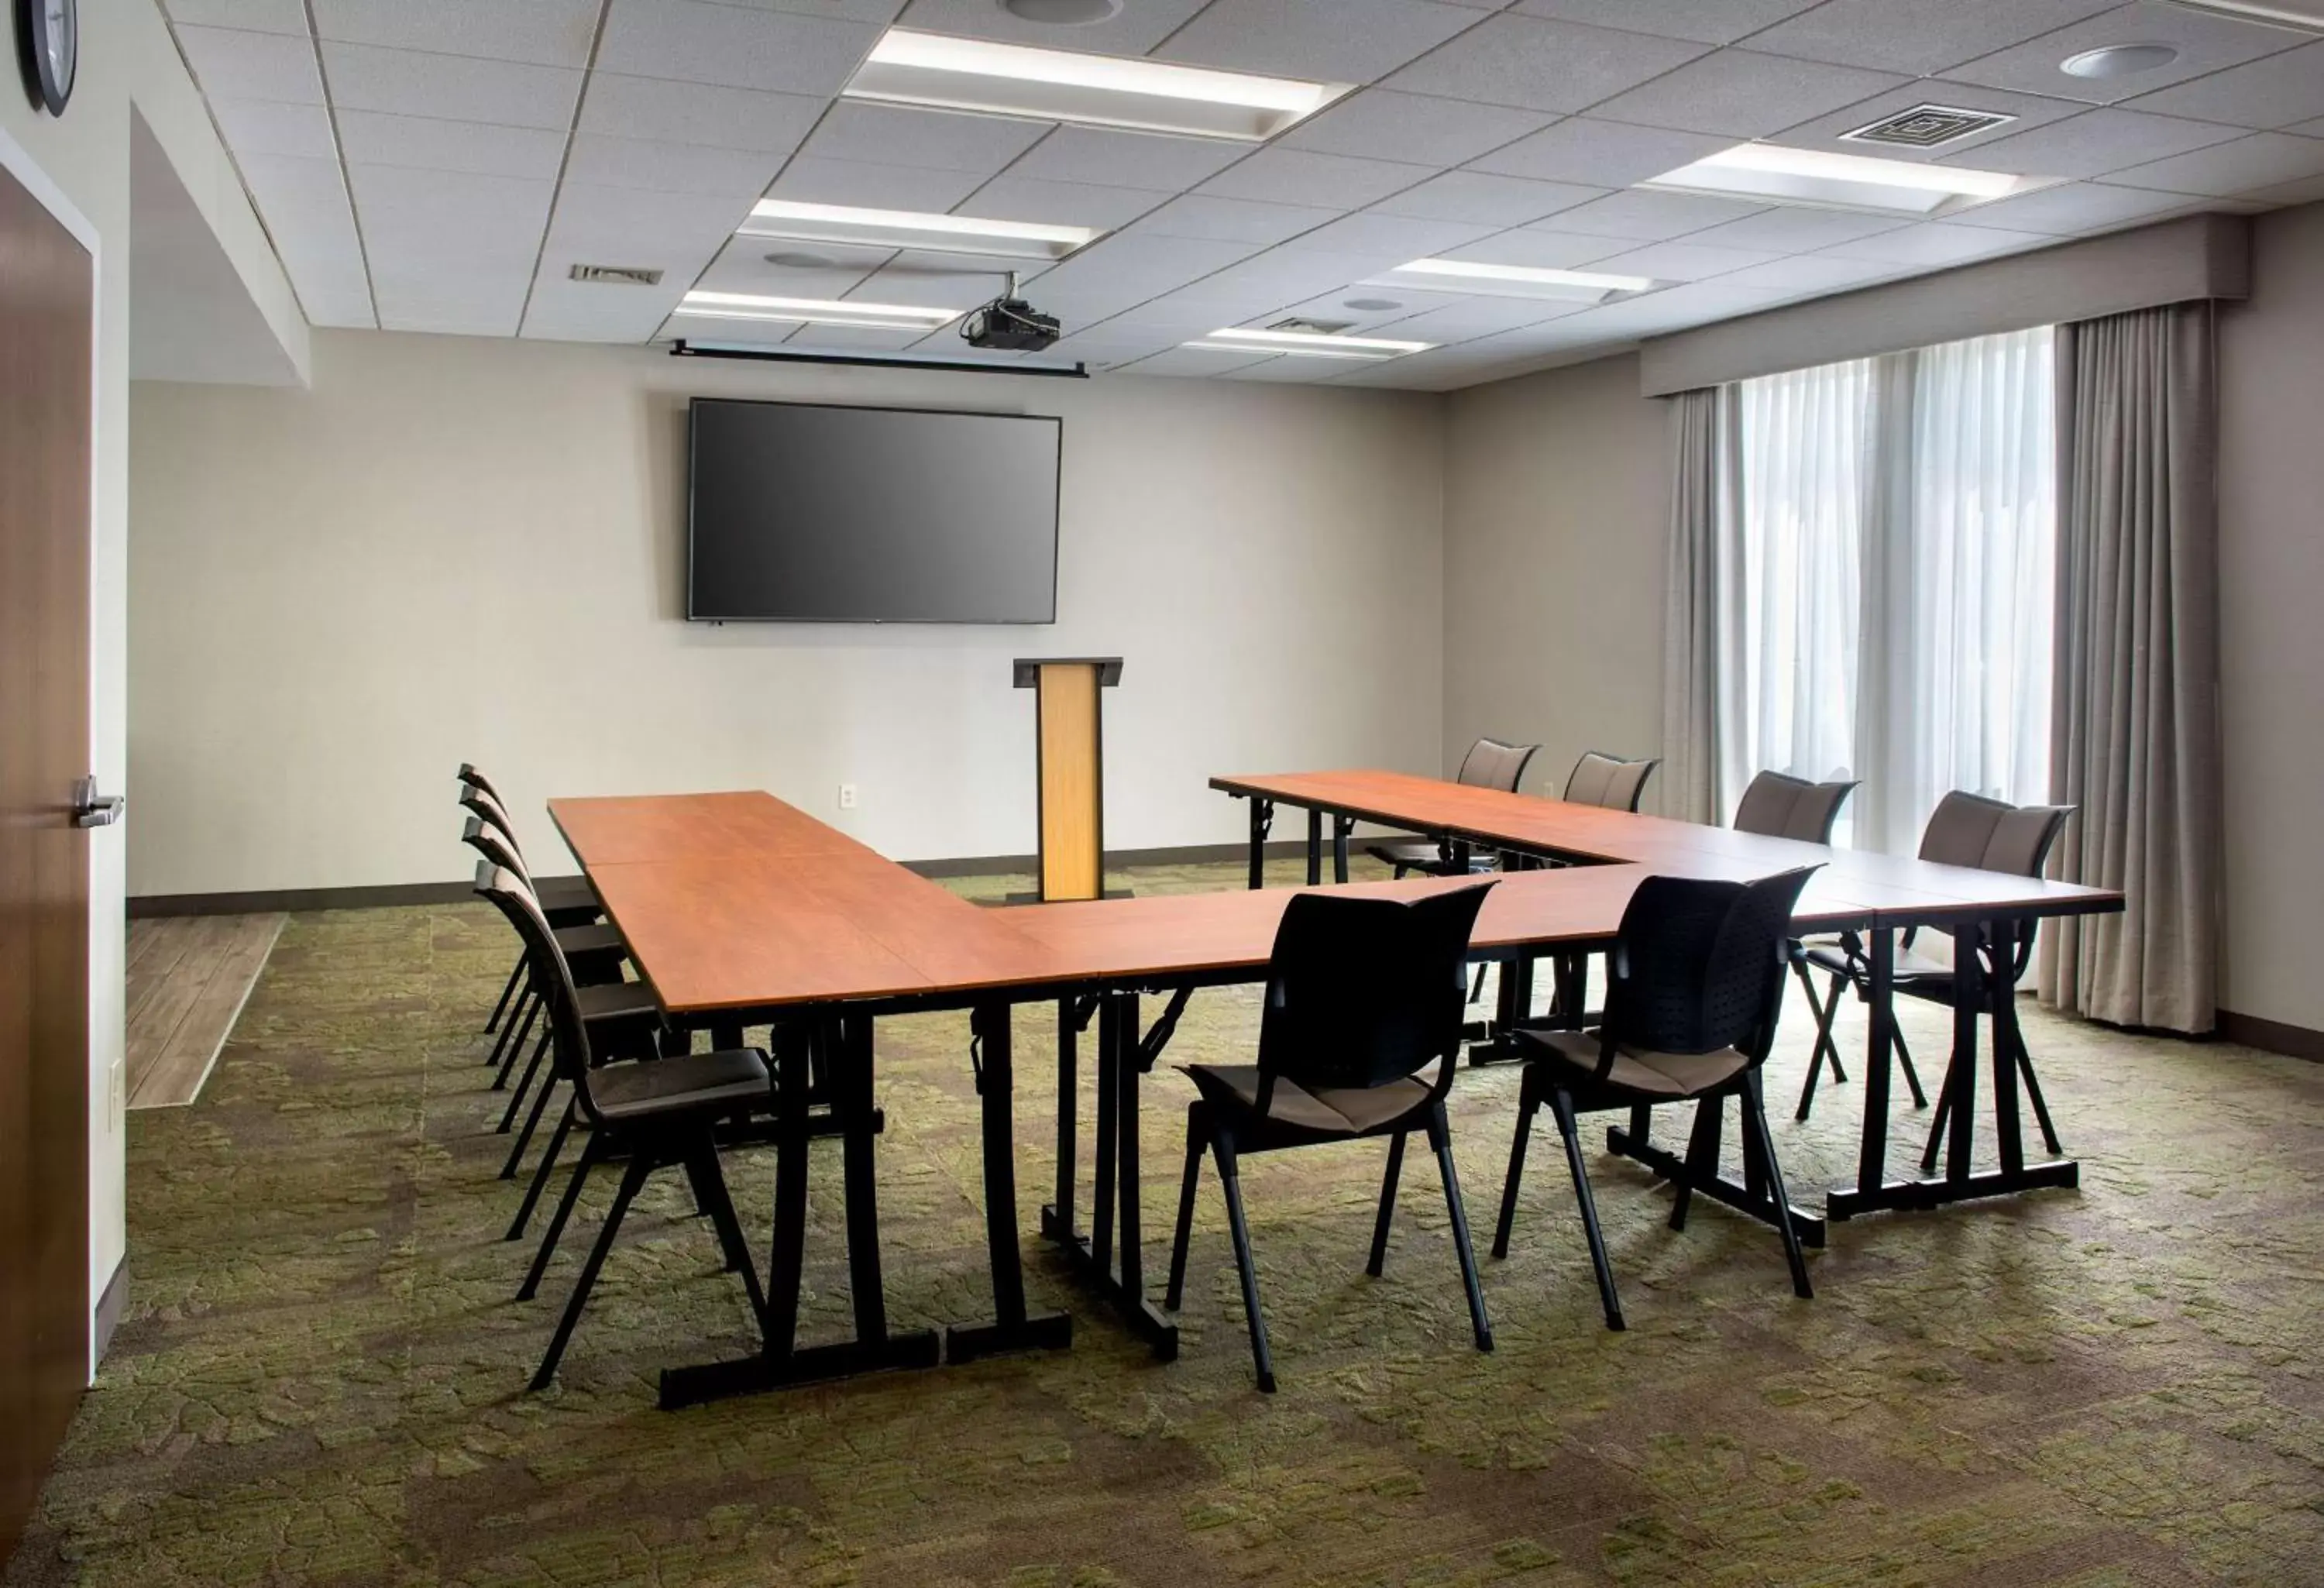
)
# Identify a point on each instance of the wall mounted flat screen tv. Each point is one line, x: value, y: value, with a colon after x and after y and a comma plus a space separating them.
x: 802, y: 513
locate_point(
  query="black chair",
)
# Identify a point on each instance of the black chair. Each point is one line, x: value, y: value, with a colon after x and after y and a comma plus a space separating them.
x: 1489, y: 764
x: 1363, y: 996
x: 1777, y: 805
x: 566, y: 903
x: 595, y: 952
x: 1965, y: 829
x: 658, y: 1114
x: 1695, y: 987
x: 1609, y: 780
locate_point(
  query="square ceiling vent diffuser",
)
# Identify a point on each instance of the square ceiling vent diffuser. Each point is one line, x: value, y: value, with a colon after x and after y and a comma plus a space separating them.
x: 1928, y: 127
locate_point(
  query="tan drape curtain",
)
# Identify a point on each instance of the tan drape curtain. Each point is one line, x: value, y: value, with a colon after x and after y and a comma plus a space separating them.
x: 2134, y: 735
x: 1701, y: 458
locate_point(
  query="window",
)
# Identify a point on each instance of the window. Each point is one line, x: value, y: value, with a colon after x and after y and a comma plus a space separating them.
x: 1887, y: 571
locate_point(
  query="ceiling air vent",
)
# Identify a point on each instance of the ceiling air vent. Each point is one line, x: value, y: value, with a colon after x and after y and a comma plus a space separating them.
x: 1312, y: 328
x: 1928, y: 127
x: 618, y: 275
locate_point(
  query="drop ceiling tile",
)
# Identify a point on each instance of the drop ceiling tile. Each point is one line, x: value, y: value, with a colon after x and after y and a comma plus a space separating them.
x: 1290, y: 371
x: 1917, y: 37
x: 2263, y: 160
x: 1296, y: 176
x: 675, y: 168
x: 937, y: 280
x: 1788, y: 229
x: 1537, y: 65
x: 1278, y: 277
x: 1542, y: 248
x: 1680, y: 308
x: 1811, y: 273
x: 1682, y: 261
x: 434, y: 215
x: 880, y: 13
x: 1606, y: 154
x: 899, y: 134
x: 1233, y: 220
x: 1324, y: 41
x: 1134, y: 31
x: 546, y: 33
x: 2027, y: 111
x: 565, y: 311
x: 2274, y: 92
x: 371, y: 137
x: 1337, y: 307
x: 232, y: 64
x: 1009, y: 197
x: 1477, y: 317
x: 409, y: 82
x: 1707, y: 21
x: 1135, y: 269
x: 1191, y: 361
x: 2307, y: 190
x: 338, y: 306
x: 1648, y: 216
x: 1393, y: 238
x: 732, y: 47
x: 1937, y: 242
x: 1738, y: 94
x: 743, y: 266
x: 1108, y: 158
x: 1484, y: 200
x: 2097, y: 141
x: 2072, y: 208
x: 1380, y: 124
x: 417, y: 306
x: 623, y: 106
x: 257, y: 16
x: 810, y: 181
x: 629, y: 226
x: 290, y: 179
x: 267, y: 126
x: 2205, y: 42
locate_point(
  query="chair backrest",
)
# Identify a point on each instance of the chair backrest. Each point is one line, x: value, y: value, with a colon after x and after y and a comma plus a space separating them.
x: 1609, y: 780
x: 1969, y: 829
x: 1700, y: 963
x: 493, y: 846
x: 569, y: 1033
x: 1362, y: 992
x: 1491, y: 764
x: 1780, y: 806
x: 479, y: 803
x: 473, y: 779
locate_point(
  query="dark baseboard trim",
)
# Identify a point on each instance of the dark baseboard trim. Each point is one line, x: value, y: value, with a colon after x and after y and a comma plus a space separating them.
x: 266, y: 902
x: 2272, y: 1036
x: 109, y: 1303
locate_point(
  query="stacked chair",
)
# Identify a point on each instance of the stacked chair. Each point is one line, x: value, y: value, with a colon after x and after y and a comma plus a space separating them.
x: 1696, y: 984
x: 1489, y: 764
x: 1359, y: 1040
x: 1965, y: 829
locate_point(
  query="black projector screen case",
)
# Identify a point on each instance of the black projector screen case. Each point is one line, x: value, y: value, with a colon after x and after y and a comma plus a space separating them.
x: 805, y: 513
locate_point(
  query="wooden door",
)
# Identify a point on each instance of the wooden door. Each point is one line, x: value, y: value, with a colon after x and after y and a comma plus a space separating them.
x: 46, y: 326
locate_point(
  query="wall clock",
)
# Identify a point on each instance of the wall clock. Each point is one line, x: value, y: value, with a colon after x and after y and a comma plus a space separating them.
x: 50, y: 31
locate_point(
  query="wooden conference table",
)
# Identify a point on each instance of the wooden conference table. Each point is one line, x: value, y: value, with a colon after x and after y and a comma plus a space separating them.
x: 742, y: 911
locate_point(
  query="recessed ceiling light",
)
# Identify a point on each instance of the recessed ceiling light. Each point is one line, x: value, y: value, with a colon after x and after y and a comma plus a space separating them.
x: 2118, y: 60
x: 907, y: 67
x: 1515, y: 280
x: 699, y: 304
x: 1066, y: 13
x: 1820, y: 178
x: 905, y: 228
x: 1307, y: 344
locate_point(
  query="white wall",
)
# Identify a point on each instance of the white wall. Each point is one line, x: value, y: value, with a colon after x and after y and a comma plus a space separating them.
x: 1555, y: 495
x: 458, y: 550
x: 129, y: 67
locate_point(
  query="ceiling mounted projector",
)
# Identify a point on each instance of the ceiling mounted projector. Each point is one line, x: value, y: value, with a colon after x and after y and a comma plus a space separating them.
x: 1010, y: 324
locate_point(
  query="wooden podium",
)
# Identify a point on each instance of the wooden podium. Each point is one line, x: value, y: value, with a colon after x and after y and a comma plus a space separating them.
x: 1071, y: 744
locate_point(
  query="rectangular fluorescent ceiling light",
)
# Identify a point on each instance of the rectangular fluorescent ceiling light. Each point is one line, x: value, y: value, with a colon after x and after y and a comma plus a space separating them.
x: 1511, y: 281
x: 904, y: 228
x: 813, y: 311
x: 907, y: 67
x: 1307, y: 344
x: 1819, y: 179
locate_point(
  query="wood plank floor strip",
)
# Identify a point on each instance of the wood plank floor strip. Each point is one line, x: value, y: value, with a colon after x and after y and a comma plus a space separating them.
x: 207, y: 992
x: 167, y: 944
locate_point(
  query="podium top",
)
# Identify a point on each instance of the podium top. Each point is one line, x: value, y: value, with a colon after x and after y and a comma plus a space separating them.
x: 1028, y: 669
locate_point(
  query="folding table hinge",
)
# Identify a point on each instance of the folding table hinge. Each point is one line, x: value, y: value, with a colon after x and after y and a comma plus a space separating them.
x: 977, y: 1060
x: 1157, y: 1035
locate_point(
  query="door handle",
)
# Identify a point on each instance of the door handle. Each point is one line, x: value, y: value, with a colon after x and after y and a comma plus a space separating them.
x: 92, y: 809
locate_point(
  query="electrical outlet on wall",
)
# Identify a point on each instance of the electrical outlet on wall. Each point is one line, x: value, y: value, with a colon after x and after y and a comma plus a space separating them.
x: 847, y: 797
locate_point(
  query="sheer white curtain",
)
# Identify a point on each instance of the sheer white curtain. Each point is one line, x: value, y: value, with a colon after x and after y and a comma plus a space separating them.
x: 1888, y: 580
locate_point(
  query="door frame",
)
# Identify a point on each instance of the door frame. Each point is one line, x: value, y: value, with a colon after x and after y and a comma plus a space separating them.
x: 20, y: 164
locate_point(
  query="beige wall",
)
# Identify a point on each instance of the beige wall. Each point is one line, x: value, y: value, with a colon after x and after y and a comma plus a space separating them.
x: 1555, y: 492
x: 457, y: 549
x: 2272, y: 621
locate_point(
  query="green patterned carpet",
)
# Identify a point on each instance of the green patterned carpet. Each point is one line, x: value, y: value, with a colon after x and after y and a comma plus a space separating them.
x: 320, y: 1376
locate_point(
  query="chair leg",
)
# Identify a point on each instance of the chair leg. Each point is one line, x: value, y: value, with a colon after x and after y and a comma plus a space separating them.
x: 712, y: 1181
x: 1562, y: 1106
x: 1245, y: 1265
x: 1755, y: 1111
x: 531, y: 1123
x: 508, y: 1061
x: 516, y: 975
x: 591, y: 1150
x: 1387, y: 1205
x: 513, y: 1032
x: 542, y: 1173
x: 1198, y: 1130
x: 524, y: 1083
x: 641, y: 1164
x: 1440, y: 1137
x: 1528, y: 1100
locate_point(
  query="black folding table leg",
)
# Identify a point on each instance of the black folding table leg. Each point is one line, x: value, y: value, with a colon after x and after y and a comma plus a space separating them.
x: 1060, y: 1213
x: 1107, y: 1131
x: 1969, y: 992
x: 1010, y: 1329
x: 1263, y: 819
x: 1314, y: 848
x: 1125, y: 1104
x: 1341, y: 825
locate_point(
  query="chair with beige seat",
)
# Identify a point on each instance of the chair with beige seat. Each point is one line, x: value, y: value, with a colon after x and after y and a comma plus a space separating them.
x: 1489, y: 764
